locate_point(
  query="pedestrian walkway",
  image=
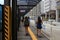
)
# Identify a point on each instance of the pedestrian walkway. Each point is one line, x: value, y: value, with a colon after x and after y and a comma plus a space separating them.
x: 21, y: 34
x: 35, y: 32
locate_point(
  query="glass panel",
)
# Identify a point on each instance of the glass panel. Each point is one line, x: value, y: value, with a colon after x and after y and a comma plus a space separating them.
x: 58, y: 3
x: 0, y: 22
x: 59, y: 13
x: 0, y: 17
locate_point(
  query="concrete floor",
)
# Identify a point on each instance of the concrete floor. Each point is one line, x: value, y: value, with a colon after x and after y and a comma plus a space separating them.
x: 21, y: 34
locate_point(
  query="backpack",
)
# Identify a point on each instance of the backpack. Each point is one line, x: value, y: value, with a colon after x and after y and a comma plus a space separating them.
x: 26, y: 22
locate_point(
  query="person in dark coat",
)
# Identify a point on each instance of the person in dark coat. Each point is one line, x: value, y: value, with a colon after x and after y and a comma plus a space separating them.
x: 26, y: 25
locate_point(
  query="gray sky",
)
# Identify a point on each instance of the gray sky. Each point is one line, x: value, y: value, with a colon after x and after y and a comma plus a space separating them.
x: 2, y: 2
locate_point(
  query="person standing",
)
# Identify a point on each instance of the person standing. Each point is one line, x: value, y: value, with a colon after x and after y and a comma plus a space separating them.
x: 39, y: 26
x: 26, y: 25
x: 18, y: 20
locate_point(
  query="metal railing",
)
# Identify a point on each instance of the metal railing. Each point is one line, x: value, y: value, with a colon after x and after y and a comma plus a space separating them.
x: 52, y: 31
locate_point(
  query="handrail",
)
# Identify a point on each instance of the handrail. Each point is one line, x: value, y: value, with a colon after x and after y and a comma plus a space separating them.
x: 32, y: 34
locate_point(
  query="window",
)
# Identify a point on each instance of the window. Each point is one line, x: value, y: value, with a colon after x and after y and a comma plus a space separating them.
x: 59, y: 13
x: 58, y: 3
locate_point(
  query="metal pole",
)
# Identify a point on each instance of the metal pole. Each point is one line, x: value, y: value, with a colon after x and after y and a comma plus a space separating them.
x: 50, y: 9
x: 40, y: 8
x: 14, y: 20
x: 36, y: 10
x: 56, y: 15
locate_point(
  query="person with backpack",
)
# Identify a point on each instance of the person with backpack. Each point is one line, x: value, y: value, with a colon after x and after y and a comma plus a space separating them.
x: 26, y: 25
x: 39, y: 26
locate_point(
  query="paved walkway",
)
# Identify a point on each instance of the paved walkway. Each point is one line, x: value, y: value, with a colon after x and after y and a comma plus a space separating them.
x: 21, y: 34
x: 35, y: 32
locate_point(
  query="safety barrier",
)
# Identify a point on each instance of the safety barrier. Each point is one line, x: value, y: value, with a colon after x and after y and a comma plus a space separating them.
x: 32, y: 34
x: 51, y: 32
x: 7, y: 23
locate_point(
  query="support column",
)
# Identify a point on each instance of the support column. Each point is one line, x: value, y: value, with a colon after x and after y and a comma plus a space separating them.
x: 7, y: 22
x: 14, y: 20
x: 56, y: 15
x: 46, y: 15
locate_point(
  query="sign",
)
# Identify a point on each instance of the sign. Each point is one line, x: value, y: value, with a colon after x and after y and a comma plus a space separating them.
x: 22, y: 10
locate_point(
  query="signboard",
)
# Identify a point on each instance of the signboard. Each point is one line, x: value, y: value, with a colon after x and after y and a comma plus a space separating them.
x: 22, y: 10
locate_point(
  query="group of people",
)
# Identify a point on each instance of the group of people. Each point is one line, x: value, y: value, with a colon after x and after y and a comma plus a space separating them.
x: 38, y: 25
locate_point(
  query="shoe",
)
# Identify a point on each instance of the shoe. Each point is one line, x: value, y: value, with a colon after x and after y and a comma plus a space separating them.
x: 27, y: 34
x: 40, y: 36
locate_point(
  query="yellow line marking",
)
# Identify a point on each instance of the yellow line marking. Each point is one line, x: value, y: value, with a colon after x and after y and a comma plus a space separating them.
x: 32, y: 34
